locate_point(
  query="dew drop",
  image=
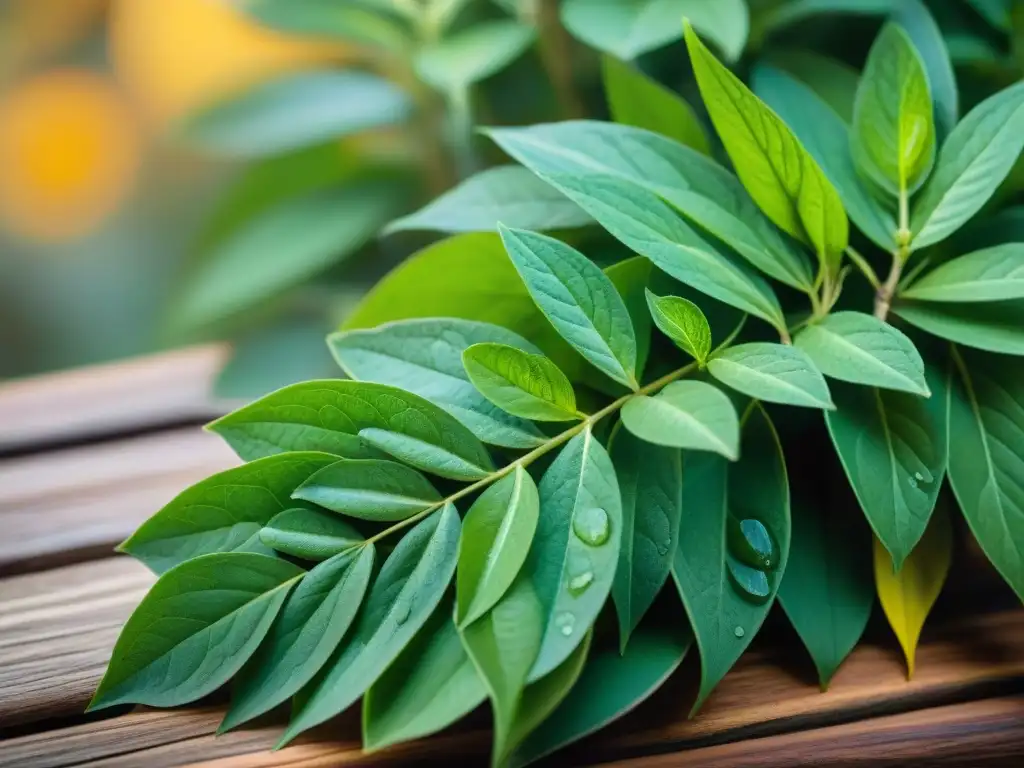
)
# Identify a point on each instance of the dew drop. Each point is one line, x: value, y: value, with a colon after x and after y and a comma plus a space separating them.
x: 751, y: 583
x: 663, y: 548
x: 591, y: 526
x: 402, y: 613
x: 912, y: 482
x: 578, y: 584
x: 739, y: 632
x: 565, y: 621
x: 750, y: 542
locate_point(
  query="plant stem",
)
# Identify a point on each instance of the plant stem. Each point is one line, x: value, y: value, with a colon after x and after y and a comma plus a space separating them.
x: 556, y: 53
x: 884, y: 293
x: 528, y: 458
x: 862, y: 264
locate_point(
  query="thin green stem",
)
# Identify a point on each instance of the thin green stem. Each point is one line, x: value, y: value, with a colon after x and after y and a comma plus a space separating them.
x: 862, y: 264
x: 528, y: 458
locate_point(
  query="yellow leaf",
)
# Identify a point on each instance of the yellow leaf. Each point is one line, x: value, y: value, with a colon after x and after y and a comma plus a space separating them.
x: 908, y: 595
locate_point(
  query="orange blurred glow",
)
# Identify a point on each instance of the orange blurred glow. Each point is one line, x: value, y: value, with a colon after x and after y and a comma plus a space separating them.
x: 177, y: 55
x: 69, y: 153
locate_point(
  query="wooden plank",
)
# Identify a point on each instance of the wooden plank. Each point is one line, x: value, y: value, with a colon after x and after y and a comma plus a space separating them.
x: 69, y: 505
x: 981, y: 733
x: 157, y: 390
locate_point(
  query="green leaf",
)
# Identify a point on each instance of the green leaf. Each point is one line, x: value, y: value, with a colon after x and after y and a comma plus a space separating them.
x: 639, y: 220
x: 783, y: 15
x: 628, y: 28
x: 908, y: 594
x: 775, y: 373
x: 930, y: 44
x: 610, y: 686
x: 354, y: 22
x: 893, y: 139
x: 425, y: 357
x: 826, y: 137
x: 315, y: 617
x: 248, y: 268
x: 651, y: 480
x: 453, y: 63
x: 630, y: 277
x: 543, y: 696
x: 892, y: 447
x: 726, y: 598
x: 309, y: 534
x: 572, y: 560
x: 828, y: 590
x: 974, y: 160
x: 578, y: 299
x: 996, y: 326
x: 686, y: 414
x: 991, y: 274
x: 683, y: 322
x: 432, y: 684
x: 521, y: 383
x: 224, y: 512
x: 694, y: 184
x: 508, y: 193
x: 859, y: 348
x: 637, y: 100
x: 986, y: 415
x: 776, y: 170
x: 369, y: 489
x: 162, y: 656
x: 833, y: 81
x: 409, y: 587
x: 496, y: 537
x: 341, y: 417
x: 295, y: 111
x: 503, y: 644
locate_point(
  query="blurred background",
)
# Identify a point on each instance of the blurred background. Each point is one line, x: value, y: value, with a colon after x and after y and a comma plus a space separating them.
x: 121, y: 233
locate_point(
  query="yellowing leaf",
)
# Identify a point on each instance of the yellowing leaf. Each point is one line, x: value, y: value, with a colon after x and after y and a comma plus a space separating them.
x: 908, y: 596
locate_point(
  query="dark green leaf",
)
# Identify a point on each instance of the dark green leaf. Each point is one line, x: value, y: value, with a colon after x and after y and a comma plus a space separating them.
x: 996, y: 326
x: 860, y: 348
x: 409, y: 587
x: 991, y: 274
x: 224, y: 512
x: 650, y: 479
x: 425, y: 357
x: 683, y: 322
x: 833, y: 81
x: 355, y: 22
x: 523, y: 384
x: 775, y: 373
x: 630, y: 277
x: 315, y: 617
x: 510, y: 194
x: 576, y: 547
x: 725, y: 598
x: 163, y: 655
x: 496, y: 538
x: 431, y: 685
x: 578, y: 299
x: 685, y: 414
x: 309, y: 534
x: 369, y: 489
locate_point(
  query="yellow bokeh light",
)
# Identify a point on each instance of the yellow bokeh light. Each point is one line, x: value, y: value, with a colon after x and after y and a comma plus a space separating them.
x: 69, y: 153
x: 177, y: 55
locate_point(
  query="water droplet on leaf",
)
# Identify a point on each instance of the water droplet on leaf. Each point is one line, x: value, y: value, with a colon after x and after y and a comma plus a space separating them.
x: 751, y: 583
x: 402, y: 613
x: 564, y: 622
x: 912, y: 482
x: 739, y: 632
x: 591, y: 526
x: 750, y: 542
x: 579, y: 583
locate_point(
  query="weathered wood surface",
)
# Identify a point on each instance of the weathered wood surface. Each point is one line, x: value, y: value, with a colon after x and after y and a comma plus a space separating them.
x: 58, y: 622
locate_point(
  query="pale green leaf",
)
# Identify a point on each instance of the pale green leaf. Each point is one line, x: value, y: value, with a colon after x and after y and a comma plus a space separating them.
x: 404, y: 595
x: 991, y: 274
x: 685, y: 414
x: 578, y: 299
x: 455, y: 62
x: 509, y: 194
x: 314, y: 619
x: 775, y: 373
x: 353, y: 22
x: 224, y: 512
x: 369, y: 489
x: 424, y: 356
x: 309, y: 533
x: 496, y: 537
x: 523, y: 384
x: 638, y: 100
x: 683, y: 322
x: 859, y: 348
x: 162, y: 656
x: 929, y: 41
x: 426, y: 455
x: 996, y: 326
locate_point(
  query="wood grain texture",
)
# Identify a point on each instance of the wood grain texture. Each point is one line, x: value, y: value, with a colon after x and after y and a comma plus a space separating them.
x: 157, y: 390
x: 989, y: 733
x: 69, y: 505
